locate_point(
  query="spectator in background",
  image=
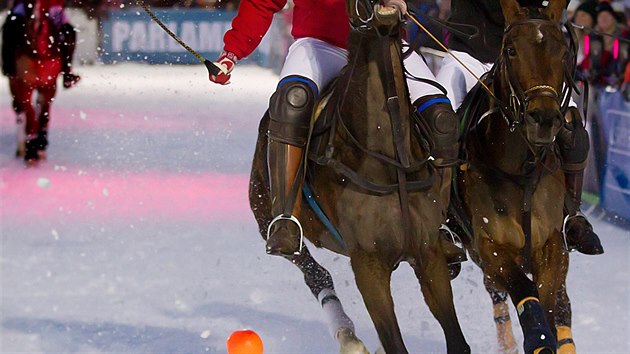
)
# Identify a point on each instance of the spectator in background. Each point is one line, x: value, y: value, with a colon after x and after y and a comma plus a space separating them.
x: 585, y: 16
x: 227, y: 5
x: 602, y: 64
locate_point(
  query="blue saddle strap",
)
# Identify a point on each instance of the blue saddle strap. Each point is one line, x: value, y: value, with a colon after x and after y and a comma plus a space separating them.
x: 310, y: 199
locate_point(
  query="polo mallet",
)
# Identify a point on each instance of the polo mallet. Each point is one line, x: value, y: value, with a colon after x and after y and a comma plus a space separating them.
x: 212, y: 68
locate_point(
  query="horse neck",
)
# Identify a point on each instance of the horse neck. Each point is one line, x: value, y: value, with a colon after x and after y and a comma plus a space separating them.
x: 369, y: 100
x: 497, y: 144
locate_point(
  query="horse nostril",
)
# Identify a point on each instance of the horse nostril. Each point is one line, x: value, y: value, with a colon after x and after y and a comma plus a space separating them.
x: 546, y: 117
x: 534, y: 116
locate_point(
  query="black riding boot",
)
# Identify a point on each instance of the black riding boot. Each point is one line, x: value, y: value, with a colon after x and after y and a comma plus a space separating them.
x: 573, y: 144
x: 290, y: 111
x: 68, y: 43
x: 437, y: 116
x: 578, y: 231
x: 12, y: 36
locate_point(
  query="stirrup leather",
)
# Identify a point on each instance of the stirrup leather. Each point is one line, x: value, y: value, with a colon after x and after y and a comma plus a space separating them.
x: 290, y: 218
x: 564, y: 229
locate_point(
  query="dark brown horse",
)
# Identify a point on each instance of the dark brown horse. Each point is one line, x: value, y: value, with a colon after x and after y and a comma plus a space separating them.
x: 37, y: 59
x: 512, y: 190
x: 370, y: 176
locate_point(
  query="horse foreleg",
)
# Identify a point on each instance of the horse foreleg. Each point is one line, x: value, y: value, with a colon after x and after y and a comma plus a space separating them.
x: 432, y: 272
x: 373, y: 278
x: 502, y: 321
x: 550, y: 273
x: 318, y: 279
x: 501, y: 268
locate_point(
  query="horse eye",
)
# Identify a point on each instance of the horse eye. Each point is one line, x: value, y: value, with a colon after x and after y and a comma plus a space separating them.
x: 510, y: 51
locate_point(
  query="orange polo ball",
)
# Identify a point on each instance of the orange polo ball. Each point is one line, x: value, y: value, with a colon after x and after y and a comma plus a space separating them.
x: 244, y: 341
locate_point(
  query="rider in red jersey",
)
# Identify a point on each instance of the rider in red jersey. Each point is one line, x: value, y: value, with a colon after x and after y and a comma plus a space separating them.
x: 15, y: 25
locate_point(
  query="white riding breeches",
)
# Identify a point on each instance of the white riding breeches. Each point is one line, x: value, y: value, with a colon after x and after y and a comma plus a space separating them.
x: 458, y: 81
x: 321, y: 62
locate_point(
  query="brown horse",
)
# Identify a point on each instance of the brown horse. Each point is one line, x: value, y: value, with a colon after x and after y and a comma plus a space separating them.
x: 512, y: 189
x: 370, y: 175
x: 37, y: 60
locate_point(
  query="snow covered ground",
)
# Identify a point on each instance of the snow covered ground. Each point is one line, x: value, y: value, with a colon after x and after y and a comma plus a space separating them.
x: 136, y: 237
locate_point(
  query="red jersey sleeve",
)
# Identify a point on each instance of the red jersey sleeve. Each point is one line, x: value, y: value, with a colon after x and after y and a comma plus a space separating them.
x: 250, y: 25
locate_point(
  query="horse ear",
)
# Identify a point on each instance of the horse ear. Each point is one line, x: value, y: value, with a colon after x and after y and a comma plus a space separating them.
x: 510, y: 9
x: 554, y: 9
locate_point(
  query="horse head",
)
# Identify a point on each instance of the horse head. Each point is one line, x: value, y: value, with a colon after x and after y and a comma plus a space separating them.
x: 530, y: 69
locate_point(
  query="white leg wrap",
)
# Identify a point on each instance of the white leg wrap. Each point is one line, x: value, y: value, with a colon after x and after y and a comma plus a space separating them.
x: 20, y: 126
x: 20, y: 130
x: 335, y: 316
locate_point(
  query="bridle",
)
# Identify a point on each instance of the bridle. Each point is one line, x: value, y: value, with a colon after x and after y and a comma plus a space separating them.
x: 514, y: 113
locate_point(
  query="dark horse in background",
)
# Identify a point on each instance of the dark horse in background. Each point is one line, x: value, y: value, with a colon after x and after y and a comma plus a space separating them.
x: 512, y: 190
x: 32, y: 50
x: 369, y: 174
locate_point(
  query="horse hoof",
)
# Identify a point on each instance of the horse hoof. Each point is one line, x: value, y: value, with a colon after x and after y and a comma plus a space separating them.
x: 349, y: 343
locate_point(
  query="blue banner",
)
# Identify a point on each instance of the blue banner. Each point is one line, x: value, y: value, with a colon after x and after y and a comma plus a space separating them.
x: 615, y: 117
x: 131, y: 35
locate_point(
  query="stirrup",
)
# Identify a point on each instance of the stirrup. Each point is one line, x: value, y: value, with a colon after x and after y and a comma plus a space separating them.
x: 296, y: 221
x: 564, y: 229
x: 454, y: 237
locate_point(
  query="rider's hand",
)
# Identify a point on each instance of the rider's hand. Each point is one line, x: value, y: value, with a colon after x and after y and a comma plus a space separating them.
x: 401, y: 5
x: 226, y: 63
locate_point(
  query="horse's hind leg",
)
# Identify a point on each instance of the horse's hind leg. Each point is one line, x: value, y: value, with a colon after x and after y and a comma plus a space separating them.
x: 502, y: 321
x: 432, y: 272
x: 373, y: 278
x: 318, y: 279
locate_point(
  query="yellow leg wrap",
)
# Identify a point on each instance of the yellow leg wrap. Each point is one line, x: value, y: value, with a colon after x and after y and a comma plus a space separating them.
x: 564, y: 334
